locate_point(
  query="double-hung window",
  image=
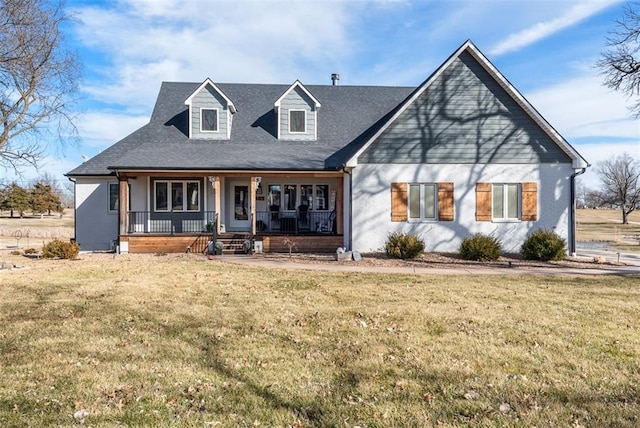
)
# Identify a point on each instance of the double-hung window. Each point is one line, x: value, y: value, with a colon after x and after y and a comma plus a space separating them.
x: 209, y: 120
x: 505, y: 201
x: 177, y: 195
x: 422, y: 201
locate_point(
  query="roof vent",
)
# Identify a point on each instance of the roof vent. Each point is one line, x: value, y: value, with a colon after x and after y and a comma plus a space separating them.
x: 334, y: 78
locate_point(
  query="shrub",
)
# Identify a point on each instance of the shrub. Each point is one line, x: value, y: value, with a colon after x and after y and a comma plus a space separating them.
x: 60, y: 249
x: 403, y: 246
x: 543, y: 245
x: 30, y: 251
x: 480, y: 247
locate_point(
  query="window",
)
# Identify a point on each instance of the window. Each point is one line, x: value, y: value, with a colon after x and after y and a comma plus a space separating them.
x: 322, y: 197
x: 185, y: 196
x: 177, y: 197
x: 306, y: 195
x: 505, y: 202
x: 297, y: 121
x: 193, y: 196
x: 274, y: 195
x: 290, y: 199
x: 314, y: 196
x: 114, y: 196
x: 208, y: 120
x: 422, y: 201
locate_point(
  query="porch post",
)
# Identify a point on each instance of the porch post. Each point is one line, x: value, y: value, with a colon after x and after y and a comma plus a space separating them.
x: 216, y: 203
x: 123, y: 202
x: 340, y: 206
x: 254, y: 182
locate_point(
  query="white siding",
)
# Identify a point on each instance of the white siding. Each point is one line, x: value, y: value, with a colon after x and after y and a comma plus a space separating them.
x: 96, y: 226
x: 372, y: 203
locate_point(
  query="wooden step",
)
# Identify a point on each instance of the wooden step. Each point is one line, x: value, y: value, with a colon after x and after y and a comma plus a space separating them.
x: 233, y: 242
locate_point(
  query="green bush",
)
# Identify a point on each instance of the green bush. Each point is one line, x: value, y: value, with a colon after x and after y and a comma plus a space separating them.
x: 480, y: 247
x: 60, y: 249
x: 403, y: 246
x: 544, y: 245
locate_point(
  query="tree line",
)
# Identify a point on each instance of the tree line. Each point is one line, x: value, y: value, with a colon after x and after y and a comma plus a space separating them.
x: 41, y: 197
x: 619, y: 186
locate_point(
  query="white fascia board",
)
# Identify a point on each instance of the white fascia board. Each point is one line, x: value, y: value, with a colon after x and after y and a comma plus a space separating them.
x: 207, y: 81
x: 298, y: 84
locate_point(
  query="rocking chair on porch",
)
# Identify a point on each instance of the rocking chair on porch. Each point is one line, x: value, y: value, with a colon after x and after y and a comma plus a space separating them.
x: 327, y: 225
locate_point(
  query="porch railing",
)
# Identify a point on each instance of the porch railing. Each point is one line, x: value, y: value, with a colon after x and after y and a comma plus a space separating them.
x: 277, y: 222
x: 295, y: 222
x: 171, y: 222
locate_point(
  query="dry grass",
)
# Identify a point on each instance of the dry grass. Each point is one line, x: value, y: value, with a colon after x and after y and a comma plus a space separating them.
x: 183, y: 341
x: 34, y: 230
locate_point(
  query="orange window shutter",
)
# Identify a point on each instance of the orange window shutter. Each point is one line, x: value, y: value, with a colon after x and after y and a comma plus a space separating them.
x: 529, y: 201
x: 445, y: 201
x: 399, y: 201
x: 483, y: 201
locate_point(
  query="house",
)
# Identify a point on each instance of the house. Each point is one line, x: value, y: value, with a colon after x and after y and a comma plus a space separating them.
x: 315, y: 167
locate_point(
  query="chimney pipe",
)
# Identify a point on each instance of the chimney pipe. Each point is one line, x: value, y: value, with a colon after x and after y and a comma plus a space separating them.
x: 334, y: 78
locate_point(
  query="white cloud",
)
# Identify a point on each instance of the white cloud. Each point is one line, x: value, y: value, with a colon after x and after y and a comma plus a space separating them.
x: 102, y: 129
x: 592, y: 118
x: 581, y: 107
x: 226, y: 41
x: 577, y: 13
x: 598, y: 152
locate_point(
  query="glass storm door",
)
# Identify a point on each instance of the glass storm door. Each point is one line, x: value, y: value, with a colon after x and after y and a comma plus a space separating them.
x: 240, y: 207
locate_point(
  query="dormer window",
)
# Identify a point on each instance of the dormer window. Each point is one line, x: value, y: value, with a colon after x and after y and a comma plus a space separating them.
x: 297, y: 121
x: 210, y: 113
x: 296, y: 114
x: 209, y: 120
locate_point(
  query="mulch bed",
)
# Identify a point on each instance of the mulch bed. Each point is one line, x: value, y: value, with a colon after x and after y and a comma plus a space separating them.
x: 443, y: 260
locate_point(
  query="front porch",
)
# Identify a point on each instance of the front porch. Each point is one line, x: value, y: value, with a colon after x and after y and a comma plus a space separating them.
x: 178, y: 213
x: 190, y: 243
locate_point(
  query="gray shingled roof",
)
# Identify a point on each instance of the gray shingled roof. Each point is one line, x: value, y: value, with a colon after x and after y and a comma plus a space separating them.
x: 349, y: 114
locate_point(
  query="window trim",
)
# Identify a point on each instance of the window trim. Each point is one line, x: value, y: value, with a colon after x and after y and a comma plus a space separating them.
x: 185, y: 204
x: 422, y: 218
x: 505, y: 203
x: 117, y: 199
x: 202, y: 110
x: 304, y: 122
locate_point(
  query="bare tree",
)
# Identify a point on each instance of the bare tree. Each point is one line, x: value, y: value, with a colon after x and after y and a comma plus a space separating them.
x: 620, y: 63
x: 620, y: 180
x: 38, y: 79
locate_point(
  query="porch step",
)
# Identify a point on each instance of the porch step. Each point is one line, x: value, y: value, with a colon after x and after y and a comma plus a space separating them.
x: 233, y: 242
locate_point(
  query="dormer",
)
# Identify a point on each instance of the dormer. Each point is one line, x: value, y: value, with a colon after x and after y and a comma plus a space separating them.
x: 297, y: 114
x: 210, y: 113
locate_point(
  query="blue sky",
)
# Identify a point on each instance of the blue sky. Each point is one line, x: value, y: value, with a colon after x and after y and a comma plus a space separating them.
x: 545, y: 48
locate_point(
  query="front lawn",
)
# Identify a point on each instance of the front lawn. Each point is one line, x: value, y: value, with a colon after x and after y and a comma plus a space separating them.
x: 184, y: 341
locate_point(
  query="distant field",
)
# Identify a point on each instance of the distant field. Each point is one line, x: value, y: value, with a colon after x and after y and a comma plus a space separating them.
x: 606, y: 226
x: 33, y: 230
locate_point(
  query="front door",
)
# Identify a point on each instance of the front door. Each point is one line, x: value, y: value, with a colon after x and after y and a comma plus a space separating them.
x: 240, y: 205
